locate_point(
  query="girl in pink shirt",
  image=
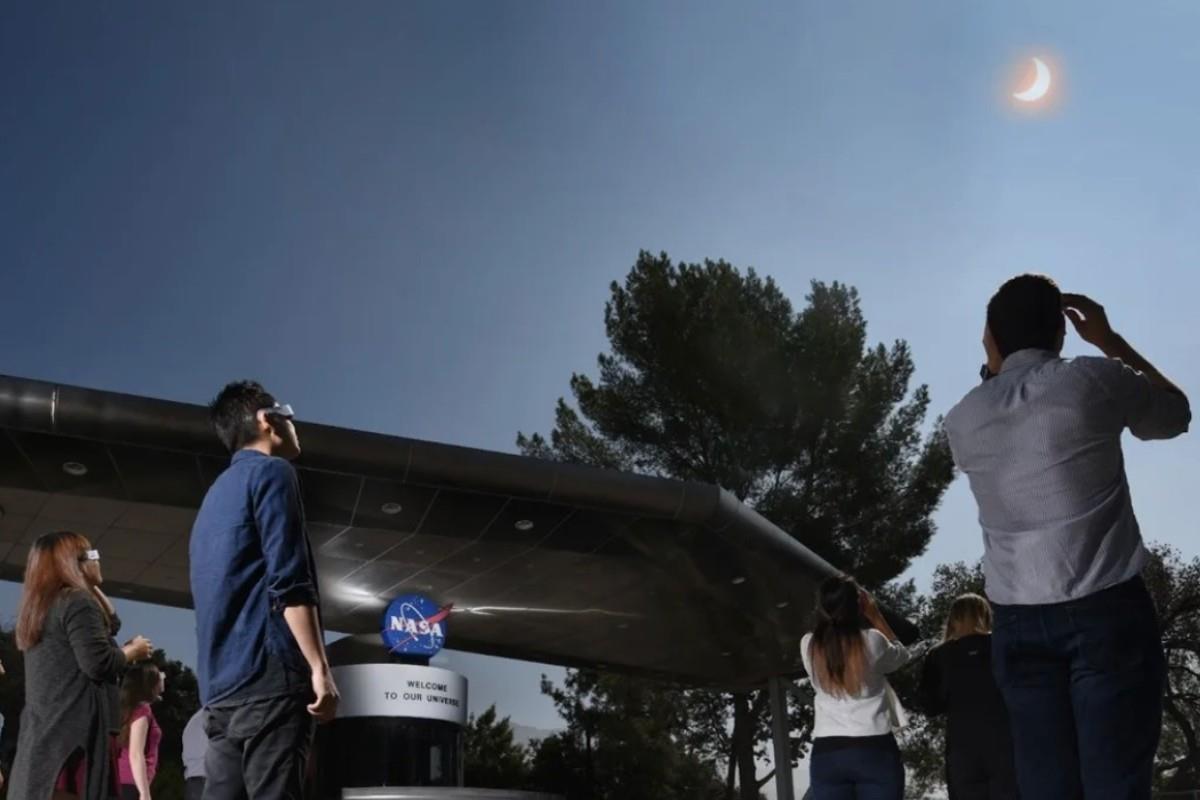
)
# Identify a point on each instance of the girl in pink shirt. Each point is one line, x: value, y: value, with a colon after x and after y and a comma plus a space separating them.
x: 140, y: 734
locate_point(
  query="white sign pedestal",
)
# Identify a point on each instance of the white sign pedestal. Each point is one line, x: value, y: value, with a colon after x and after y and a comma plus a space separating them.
x: 401, y: 690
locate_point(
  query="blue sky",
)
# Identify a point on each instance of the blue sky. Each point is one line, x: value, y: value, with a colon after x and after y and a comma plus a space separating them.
x: 404, y: 216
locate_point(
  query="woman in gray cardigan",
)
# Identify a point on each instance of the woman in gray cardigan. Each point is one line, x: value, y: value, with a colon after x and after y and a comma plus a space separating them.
x: 65, y: 627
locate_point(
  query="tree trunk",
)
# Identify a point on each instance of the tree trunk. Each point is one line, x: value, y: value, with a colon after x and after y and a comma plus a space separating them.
x: 731, y: 774
x: 589, y: 766
x: 743, y: 746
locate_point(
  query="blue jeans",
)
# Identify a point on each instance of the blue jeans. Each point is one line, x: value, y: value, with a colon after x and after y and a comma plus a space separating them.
x: 871, y: 770
x: 1083, y: 682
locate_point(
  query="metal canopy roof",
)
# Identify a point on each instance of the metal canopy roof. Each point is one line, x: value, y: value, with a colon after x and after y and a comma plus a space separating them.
x: 543, y: 561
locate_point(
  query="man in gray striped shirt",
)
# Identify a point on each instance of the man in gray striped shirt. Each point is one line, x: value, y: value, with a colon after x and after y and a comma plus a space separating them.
x: 1076, y: 649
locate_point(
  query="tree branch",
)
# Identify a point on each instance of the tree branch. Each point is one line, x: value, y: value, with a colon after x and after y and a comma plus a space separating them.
x: 1180, y: 643
x: 1184, y: 668
x: 1173, y: 765
x: 1187, y: 607
x: 1185, y: 727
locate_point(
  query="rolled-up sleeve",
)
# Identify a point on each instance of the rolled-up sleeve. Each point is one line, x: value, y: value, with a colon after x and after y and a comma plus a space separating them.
x: 280, y: 518
x: 1149, y: 411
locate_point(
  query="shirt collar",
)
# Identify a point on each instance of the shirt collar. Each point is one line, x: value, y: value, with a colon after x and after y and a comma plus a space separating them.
x: 242, y: 455
x: 1027, y: 358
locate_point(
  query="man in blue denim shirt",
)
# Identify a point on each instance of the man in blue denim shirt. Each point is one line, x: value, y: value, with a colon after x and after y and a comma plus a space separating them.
x: 263, y: 673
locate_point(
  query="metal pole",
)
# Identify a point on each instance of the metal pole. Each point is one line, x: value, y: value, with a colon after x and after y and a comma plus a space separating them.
x: 781, y: 729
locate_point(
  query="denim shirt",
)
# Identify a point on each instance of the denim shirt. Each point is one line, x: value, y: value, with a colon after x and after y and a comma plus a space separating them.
x: 250, y: 559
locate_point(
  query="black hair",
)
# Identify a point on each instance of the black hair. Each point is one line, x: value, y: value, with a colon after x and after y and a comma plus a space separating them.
x: 1026, y: 312
x: 233, y: 413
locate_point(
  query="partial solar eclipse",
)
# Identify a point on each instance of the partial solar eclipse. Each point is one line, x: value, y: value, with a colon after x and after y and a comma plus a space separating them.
x: 1033, y: 84
x: 1040, y: 85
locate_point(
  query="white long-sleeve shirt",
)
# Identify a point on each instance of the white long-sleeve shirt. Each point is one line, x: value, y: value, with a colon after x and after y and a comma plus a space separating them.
x: 195, y: 745
x: 867, y: 712
x: 1041, y: 445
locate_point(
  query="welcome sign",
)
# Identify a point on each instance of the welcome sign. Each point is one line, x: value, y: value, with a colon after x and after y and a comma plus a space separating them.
x: 401, y: 690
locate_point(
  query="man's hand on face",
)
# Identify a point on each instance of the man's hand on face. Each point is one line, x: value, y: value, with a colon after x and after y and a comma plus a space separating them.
x: 1089, y: 319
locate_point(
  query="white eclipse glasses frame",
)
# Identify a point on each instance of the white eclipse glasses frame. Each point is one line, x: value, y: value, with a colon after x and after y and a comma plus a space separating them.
x: 278, y: 410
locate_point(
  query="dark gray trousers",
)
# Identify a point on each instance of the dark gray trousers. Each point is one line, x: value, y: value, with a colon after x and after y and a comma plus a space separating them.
x: 193, y: 789
x: 258, y: 750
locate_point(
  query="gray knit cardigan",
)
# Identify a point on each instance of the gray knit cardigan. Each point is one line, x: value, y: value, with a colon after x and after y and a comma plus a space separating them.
x: 71, y: 681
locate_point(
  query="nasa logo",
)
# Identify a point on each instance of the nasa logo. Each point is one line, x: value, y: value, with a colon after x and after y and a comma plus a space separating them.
x: 414, y: 625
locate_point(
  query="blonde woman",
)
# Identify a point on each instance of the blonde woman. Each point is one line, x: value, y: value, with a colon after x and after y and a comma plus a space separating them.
x: 957, y: 681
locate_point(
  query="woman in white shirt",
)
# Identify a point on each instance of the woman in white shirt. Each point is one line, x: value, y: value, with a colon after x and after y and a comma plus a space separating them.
x: 848, y: 656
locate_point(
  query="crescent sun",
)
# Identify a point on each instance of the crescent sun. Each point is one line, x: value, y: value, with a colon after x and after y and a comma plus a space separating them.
x: 1041, y: 84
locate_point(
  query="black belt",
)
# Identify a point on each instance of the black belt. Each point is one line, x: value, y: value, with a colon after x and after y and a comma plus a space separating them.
x: 827, y: 744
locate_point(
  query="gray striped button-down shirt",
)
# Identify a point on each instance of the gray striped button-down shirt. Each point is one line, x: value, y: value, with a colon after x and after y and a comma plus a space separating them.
x: 1041, y: 446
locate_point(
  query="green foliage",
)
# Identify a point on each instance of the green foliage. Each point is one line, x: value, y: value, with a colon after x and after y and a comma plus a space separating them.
x: 1175, y: 585
x: 625, y: 740
x: 493, y: 759
x: 180, y: 701
x: 168, y: 783
x: 713, y: 376
x: 560, y: 765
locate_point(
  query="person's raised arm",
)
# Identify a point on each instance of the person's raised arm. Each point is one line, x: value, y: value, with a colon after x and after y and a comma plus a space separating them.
x: 893, y: 654
x: 870, y: 610
x: 1092, y: 325
x: 291, y: 584
x: 1153, y: 406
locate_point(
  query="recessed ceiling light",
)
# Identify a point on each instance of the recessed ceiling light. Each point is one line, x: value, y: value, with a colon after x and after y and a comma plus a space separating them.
x: 391, y: 509
x: 738, y: 580
x: 524, y: 525
x: 75, y: 468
